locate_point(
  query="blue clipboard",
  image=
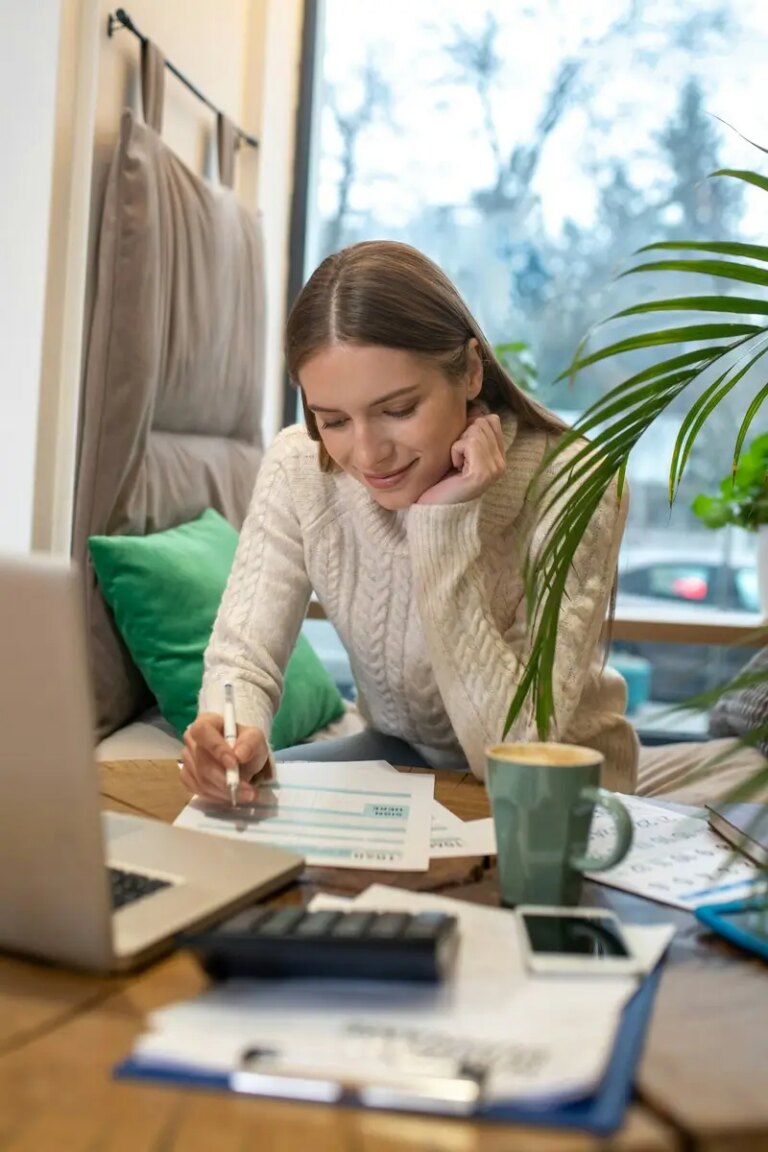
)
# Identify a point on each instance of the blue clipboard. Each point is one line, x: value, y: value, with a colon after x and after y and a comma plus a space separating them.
x: 601, y: 1113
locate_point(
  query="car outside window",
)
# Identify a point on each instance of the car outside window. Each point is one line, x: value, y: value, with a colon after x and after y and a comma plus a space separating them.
x: 679, y: 582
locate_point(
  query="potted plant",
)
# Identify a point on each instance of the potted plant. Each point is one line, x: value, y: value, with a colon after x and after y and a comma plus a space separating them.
x: 743, y: 501
x: 724, y: 335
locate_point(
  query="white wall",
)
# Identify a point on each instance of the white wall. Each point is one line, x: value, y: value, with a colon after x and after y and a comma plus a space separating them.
x: 29, y: 49
x: 244, y: 54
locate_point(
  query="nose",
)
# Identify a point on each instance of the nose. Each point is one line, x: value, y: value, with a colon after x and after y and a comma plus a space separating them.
x: 371, y: 448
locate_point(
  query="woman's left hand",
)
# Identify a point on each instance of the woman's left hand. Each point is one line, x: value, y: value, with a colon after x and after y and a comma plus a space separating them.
x: 478, y: 461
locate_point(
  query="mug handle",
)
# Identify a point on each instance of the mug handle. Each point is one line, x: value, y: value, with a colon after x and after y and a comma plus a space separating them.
x: 623, y: 822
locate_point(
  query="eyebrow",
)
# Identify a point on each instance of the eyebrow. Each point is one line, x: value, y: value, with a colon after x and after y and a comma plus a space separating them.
x: 381, y: 400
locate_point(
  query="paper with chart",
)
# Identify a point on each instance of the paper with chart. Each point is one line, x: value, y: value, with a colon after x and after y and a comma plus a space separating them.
x: 451, y: 836
x: 539, y: 1039
x: 350, y: 815
x: 675, y: 858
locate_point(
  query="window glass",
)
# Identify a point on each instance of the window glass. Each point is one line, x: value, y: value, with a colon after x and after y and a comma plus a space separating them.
x: 531, y: 149
x: 746, y: 589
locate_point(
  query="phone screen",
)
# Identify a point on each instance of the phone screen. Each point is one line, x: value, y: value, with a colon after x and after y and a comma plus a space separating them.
x: 594, y: 936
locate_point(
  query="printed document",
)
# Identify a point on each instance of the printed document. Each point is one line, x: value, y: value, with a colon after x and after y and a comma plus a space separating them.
x: 675, y: 857
x: 454, y: 837
x: 358, y: 814
x: 537, y: 1038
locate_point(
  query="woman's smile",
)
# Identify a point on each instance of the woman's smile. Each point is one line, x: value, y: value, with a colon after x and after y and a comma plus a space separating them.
x: 388, y: 479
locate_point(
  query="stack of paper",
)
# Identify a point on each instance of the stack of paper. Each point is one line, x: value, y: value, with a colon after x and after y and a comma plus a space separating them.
x: 358, y: 814
x: 537, y: 1039
x: 454, y: 837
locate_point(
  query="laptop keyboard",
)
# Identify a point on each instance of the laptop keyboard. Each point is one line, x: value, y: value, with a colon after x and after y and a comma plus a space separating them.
x: 130, y: 886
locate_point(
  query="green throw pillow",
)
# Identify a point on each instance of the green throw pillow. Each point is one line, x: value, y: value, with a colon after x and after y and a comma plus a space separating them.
x: 164, y: 591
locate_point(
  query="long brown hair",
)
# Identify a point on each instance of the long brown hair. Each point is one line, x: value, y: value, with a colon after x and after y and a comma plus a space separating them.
x: 386, y: 293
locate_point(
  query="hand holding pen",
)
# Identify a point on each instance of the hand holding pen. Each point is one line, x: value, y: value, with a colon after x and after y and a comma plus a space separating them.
x: 232, y: 766
x: 221, y: 758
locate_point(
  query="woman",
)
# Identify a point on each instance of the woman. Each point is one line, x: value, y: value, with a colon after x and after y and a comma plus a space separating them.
x: 404, y: 504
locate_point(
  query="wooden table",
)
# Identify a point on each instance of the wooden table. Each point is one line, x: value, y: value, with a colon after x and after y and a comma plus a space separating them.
x: 702, y: 1082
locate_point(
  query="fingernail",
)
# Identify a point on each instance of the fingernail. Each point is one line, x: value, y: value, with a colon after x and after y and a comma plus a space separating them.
x: 246, y: 793
x: 230, y: 761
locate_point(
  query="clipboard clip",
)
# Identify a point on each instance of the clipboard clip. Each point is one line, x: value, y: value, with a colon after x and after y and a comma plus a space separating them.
x: 421, y: 1084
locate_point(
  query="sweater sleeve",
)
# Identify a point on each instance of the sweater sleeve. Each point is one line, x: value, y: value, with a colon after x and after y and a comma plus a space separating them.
x: 477, y: 662
x: 263, y: 605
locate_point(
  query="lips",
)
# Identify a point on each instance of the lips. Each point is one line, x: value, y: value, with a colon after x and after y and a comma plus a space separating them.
x: 389, y: 479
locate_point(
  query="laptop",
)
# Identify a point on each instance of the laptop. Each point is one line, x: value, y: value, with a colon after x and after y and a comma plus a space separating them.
x: 99, y: 891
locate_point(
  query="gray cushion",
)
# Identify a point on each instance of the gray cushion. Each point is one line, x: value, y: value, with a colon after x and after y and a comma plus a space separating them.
x: 741, y: 712
x: 173, y: 385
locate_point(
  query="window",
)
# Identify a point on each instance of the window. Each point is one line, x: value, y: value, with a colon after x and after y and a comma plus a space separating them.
x: 530, y: 149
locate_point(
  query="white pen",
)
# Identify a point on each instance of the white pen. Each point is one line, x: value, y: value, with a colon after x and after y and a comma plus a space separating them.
x: 230, y: 735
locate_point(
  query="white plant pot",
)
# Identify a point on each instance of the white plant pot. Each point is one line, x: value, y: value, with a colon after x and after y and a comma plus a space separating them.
x: 762, y: 568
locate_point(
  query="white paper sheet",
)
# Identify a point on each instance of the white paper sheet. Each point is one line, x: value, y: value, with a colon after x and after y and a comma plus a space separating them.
x: 454, y: 837
x: 675, y: 858
x: 343, y: 815
x: 541, y: 1038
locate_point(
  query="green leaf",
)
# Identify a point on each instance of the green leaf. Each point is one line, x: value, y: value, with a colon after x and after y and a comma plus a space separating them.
x: 724, y: 269
x: 513, y: 346
x: 745, y: 175
x: 752, y: 411
x: 669, y: 336
x: 681, y: 361
x: 718, y: 248
x: 738, y: 305
x: 698, y: 413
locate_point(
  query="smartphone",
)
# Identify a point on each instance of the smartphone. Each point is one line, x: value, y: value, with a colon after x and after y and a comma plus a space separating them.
x: 574, y: 940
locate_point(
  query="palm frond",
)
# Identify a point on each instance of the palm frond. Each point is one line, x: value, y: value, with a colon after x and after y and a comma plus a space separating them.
x: 721, y: 269
x: 751, y: 412
x: 737, y: 305
x: 576, y: 474
x: 716, y: 248
x: 699, y: 412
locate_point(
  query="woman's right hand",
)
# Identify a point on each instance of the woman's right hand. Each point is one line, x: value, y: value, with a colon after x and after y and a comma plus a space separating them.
x: 207, y: 755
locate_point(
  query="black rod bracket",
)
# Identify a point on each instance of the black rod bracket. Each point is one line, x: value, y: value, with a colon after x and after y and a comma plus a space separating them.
x: 120, y: 19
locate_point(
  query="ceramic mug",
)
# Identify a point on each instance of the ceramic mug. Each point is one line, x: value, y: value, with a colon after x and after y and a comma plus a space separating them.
x: 543, y: 796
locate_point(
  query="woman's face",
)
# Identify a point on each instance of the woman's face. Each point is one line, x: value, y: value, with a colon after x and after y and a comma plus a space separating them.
x: 388, y: 417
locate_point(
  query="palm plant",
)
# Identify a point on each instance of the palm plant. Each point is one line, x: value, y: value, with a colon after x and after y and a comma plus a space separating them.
x: 730, y: 334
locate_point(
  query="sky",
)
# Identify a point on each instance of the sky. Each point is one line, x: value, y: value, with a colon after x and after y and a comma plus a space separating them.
x: 436, y: 151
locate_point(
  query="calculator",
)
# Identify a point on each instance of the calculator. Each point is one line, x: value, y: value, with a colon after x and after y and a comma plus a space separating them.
x: 742, y: 922
x: 353, y: 944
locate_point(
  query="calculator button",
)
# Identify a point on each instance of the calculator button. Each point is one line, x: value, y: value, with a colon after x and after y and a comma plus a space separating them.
x: 282, y: 922
x: 317, y: 924
x: 427, y: 925
x: 388, y: 924
x: 254, y: 917
x: 352, y: 924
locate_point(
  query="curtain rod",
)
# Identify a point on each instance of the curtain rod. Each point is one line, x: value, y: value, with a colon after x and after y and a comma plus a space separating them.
x: 120, y: 18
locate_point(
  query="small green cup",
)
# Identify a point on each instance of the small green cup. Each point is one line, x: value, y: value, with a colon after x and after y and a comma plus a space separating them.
x: 543, y: 797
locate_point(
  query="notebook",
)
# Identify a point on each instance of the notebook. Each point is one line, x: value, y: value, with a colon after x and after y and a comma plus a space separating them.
x: 743, y: 825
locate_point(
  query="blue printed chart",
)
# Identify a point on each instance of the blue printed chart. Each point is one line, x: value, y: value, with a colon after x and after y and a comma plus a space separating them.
x: 359, y: 814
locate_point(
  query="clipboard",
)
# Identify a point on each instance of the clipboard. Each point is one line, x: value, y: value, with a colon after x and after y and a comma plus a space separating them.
x: 438, y: 1090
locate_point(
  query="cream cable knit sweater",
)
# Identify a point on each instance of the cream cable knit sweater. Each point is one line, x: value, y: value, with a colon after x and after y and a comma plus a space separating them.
x: 429, y: 603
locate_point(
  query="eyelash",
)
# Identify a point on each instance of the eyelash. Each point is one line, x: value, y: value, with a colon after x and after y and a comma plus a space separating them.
x: 402, y: 414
